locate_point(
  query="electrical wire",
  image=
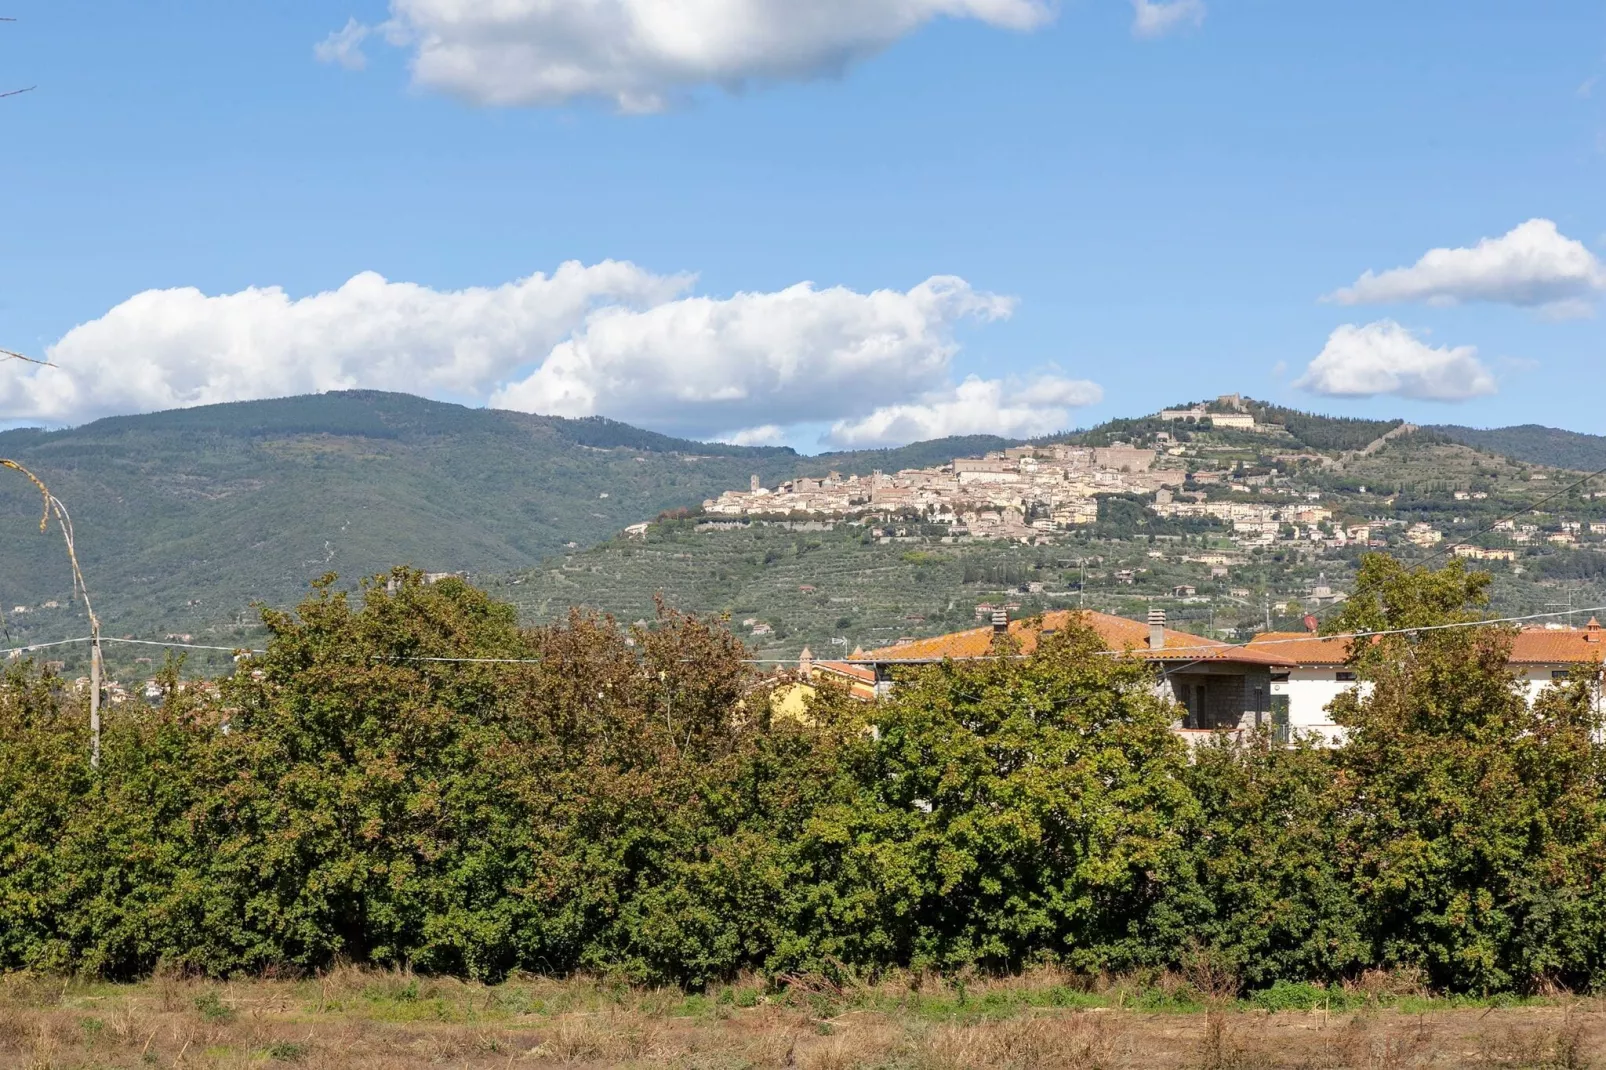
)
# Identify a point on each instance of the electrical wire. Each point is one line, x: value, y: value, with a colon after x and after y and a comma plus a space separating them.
x: 1489, y: 529
x: 1213, y: 650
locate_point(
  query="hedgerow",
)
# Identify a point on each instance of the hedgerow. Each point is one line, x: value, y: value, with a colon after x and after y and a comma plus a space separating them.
x: 587, y: 797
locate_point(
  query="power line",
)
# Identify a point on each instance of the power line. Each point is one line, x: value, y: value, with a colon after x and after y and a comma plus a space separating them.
x: 1531, y: 507
x: 1222, y: 648
x: 1489, y: 529
x: 1212, y: 649
x: 182, y: 646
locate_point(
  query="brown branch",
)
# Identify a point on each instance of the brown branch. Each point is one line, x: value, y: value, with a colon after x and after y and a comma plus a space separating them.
x: 81, y: 589
x: 8, y: 354
x: 44, y: 521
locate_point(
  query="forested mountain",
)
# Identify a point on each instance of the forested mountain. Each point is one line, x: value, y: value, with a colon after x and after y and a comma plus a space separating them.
x: 1535, y: 444
x: 185, y: 517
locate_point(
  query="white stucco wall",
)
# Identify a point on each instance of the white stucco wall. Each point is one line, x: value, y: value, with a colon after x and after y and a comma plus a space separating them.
x: 1536, y: 678
x: 1309, y: 691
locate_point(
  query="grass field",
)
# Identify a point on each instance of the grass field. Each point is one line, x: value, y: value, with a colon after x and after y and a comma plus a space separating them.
x: 351, y: 1018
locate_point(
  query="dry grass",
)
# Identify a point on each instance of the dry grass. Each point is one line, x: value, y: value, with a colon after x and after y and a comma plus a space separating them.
x: 395, y: 1021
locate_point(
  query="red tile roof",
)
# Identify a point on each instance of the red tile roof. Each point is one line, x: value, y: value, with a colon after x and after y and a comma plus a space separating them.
x: 1303, y: 648
x: 862, y: 673
x: 1569, y: 646
x: 1532, y: 646
x: 1118, y: 633
x: 860, y: 678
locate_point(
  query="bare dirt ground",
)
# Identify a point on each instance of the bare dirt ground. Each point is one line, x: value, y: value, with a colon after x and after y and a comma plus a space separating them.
x: 357, y: 1019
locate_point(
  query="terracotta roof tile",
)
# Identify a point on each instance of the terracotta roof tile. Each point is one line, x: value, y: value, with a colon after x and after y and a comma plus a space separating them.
x: 862, y: 673
x: 1533, y: 646
x: 1118, y: 633
x: 1303, y: 648
x: 1545, y: 646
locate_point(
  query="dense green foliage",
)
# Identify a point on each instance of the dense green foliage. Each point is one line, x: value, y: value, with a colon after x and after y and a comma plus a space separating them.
x: 1535, y: 444
x: 1322, y: 432
x: 586, y: 797
x: 1476, y: 827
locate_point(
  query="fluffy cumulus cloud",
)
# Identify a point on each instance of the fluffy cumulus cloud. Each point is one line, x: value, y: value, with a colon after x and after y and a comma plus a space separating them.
x: 765, y: 435
x: 641, y: 54
x: 1156, y: 18
x: 165, y: 349
x: 1532, y: 265
x: 1386, y: 358
x: 975, y: 407
x: 698, y: 363
x: 611, y: 338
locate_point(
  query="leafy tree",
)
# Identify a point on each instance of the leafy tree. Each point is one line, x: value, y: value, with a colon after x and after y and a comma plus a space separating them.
x: 1472, y: 822
x: 1033, y: 806
x: 1269, y: 898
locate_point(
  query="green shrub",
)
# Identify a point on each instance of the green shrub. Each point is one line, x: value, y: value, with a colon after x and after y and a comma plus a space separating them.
x: 1293, y: 996
x: 582, y: 797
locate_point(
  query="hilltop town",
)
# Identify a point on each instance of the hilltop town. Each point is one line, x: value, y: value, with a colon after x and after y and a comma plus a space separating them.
x: 1031, y: 493
x: 1015, y: 493
x: 1233, y: 516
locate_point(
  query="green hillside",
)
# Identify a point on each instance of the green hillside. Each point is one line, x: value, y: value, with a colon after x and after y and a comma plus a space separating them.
x: 836, y: 586
x: 1306, y: 429
x: 1536, y: 445
x: 185, y: 517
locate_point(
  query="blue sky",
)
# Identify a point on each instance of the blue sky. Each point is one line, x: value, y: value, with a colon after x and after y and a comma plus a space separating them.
x: 1115, y: 220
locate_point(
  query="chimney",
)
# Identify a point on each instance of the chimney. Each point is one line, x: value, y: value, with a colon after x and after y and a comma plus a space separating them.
x: 1592, y: 631
x: 1000, y: 621
x: 753, y: 484
x: 1156, y: 629
x: 805, y: 664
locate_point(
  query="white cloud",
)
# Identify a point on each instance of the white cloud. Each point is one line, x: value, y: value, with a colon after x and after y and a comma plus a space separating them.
x: 642, y: 54
x: 610, y: 339
x: 1156, y: 18
x: 165, y: 349
x: 1532, y: 265
x: 1385, y: 358
x: 975, y: 407
x: 793, y: 356
x: 344, y: 46
x: 767, y: 435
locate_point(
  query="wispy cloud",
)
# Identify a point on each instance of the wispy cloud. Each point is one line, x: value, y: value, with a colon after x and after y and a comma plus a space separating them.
x: 344, y: 46
x: 1156, y: 18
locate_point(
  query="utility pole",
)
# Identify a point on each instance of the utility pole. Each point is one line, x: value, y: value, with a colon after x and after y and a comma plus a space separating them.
x: 1567, y: 605
x: 94, y: 702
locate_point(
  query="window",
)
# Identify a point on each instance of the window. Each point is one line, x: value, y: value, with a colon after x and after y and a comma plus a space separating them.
x: 1343, y: 677
x: 1560, y: 674
x: 1279, y: 719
